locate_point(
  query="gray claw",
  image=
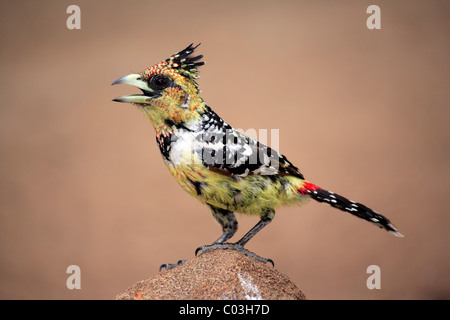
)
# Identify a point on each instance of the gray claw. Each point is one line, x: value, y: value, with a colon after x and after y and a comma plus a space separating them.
x: 169, y: 266
x: 232, y: 246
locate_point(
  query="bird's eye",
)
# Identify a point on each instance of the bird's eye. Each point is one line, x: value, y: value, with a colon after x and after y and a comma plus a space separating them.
x: 159, y: 82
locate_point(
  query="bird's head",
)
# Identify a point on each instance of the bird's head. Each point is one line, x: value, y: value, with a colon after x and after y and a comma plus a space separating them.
x: 170, y: 94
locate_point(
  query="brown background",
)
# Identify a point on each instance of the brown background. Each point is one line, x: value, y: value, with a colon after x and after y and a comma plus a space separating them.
x: 362, y: 112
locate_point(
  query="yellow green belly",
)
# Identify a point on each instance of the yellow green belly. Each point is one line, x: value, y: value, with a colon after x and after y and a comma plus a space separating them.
x: 252, y: 194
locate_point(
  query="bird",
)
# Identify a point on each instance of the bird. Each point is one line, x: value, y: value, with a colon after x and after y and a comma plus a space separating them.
x: 224, y: 169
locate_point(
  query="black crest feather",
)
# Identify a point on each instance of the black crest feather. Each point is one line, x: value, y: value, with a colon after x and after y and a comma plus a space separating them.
x: 185, y: 63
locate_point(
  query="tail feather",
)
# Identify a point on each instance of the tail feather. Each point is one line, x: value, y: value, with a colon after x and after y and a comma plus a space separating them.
x: 355, y: 208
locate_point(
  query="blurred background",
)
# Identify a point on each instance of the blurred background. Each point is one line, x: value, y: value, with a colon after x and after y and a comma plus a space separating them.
x: 364, y: 113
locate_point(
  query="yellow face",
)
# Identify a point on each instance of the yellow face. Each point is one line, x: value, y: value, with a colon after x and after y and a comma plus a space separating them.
x: 169, y: 91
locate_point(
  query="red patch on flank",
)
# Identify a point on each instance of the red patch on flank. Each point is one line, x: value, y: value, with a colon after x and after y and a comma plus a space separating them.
x: 308, y: 187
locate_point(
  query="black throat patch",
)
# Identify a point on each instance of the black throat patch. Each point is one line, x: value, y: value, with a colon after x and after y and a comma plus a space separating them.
x: 164, y: 143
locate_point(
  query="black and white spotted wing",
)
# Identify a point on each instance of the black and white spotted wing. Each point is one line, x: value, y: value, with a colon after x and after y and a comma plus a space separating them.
x: 230, y: 152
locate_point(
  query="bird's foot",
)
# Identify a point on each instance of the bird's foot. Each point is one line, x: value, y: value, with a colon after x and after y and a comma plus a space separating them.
x: 232, y: 246
x: 169, y: 266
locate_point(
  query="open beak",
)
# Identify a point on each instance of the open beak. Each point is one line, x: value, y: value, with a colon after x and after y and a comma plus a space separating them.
x: 136, y: 81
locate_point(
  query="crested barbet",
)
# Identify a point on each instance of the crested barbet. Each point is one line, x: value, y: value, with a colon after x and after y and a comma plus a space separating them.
x: 221, y: 167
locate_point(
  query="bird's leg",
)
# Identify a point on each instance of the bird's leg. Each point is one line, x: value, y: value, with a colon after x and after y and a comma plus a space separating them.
x: 266, y: 218
x: 229, y: 226
x: 228, y: 222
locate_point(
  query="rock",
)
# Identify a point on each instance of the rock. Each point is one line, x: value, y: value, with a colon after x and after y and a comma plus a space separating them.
x: 216, y: 275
